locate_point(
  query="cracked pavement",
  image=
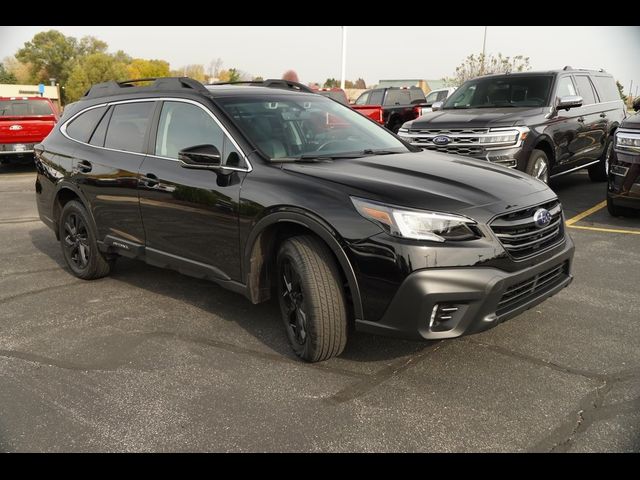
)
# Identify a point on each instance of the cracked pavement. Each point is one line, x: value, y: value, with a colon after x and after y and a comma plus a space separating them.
x: 150, y: 360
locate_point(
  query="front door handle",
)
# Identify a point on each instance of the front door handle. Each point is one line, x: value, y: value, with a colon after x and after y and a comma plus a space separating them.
x: 150, y: 180
x: 603, y: 115
x: 84, y: 166
x: 581, y: 119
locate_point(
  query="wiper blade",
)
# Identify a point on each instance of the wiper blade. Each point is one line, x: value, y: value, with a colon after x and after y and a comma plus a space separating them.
x: 381, y: 151
x: 314, y: 158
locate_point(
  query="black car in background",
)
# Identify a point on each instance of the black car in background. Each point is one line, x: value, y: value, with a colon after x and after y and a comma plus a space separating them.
x: 623, y: 192
x: 277, y: 192
x: 543, y: 123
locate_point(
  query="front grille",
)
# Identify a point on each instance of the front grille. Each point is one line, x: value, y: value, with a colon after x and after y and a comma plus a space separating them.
x: 522, y: 292
x: 454, y: 149
x: 521, y: 237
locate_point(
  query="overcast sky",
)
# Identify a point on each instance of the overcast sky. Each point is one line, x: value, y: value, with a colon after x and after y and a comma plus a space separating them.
x: 373, y: 53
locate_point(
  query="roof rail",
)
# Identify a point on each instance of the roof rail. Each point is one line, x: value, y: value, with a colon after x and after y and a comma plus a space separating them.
x: 585, y: 69
x: 163, y: 83
x: 271, y: 83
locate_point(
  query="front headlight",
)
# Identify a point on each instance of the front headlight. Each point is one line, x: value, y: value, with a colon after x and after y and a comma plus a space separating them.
x: 416, y: 224
x: 627, y: 140
x: 504, y: 137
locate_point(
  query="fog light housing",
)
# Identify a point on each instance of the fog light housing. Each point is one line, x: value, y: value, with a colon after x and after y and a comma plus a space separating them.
x: 441, y: 314
x: 504, y: 160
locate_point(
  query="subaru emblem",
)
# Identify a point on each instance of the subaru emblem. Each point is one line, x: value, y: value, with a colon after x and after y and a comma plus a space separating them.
x: 441, y: 140
x: 542, y: 217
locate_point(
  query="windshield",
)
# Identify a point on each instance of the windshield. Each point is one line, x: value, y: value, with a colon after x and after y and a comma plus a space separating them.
x: 295, y: 126
x: 497, y: 92
x: 21, y: 108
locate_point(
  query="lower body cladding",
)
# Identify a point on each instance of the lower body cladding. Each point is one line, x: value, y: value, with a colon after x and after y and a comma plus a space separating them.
x: 442, y: 303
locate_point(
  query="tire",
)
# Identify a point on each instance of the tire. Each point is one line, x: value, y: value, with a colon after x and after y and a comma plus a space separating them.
x: 312, y: 299
x: 395, y: 125
x: 538, y: 165
x: 598, y: 171
x: 79, y: 245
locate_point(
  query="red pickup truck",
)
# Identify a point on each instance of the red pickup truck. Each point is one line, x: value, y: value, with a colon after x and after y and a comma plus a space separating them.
x: 391, y: 106
x: 24, y: 122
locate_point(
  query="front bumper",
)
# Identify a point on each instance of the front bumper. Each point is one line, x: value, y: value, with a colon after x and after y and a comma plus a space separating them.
x: 474, y: 298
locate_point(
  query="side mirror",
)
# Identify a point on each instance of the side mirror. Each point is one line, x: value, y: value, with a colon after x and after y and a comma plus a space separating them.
x: 636, y: 104
x: 568, y: 102
x: 437, y: 106
x: 200, y: 156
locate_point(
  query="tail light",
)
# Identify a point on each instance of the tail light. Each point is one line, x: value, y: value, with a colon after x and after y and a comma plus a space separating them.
x: 380, y: 119
x: 417, y: 111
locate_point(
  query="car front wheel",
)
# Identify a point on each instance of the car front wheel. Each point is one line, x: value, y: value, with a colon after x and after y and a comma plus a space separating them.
x: 312, y: 300
x: 598, y: 171
x: 538, y: 165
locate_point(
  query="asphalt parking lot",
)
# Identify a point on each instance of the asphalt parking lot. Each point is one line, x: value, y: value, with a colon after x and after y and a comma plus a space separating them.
x: 150, y: 360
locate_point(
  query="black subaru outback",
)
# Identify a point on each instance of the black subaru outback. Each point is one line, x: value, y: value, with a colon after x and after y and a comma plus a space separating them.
x: 271, y: 190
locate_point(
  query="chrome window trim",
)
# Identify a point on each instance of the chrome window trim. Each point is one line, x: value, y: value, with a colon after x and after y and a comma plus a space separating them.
x: 63, y: 129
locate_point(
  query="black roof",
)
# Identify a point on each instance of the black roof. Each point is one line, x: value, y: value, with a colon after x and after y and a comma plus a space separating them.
x: 547, y: 72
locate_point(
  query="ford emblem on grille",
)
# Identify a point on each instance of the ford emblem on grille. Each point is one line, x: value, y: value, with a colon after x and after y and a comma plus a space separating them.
x: 542, y: 217
x: 441, y: 140
x: 15, y: 127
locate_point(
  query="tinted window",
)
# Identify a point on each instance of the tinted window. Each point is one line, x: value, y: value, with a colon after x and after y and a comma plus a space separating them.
x: 565, y: 87
x: 585, y: 90
x: 607, y: 89
x: 18, y: 108
x: 512, y: 91
x: 128, y: 126
x: 363, y: 99
x: 442, y: 96
x: 432, y: 97
x: 416, y: 95
x: 101, y: 130
x: 82, y: 126
x: 376, y: 97
x: 183, y: 125
x: 397, y: 97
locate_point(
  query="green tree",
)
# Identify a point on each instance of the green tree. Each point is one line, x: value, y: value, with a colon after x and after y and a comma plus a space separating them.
x: 621, y: 91
x: 360, y: 83
x: 94, y: 68
x: 477, y: 65
x: 349, y: 84
x: 331, y: 83
x: 89, y: 45
x: 7, y: 76
x: 50, y: 55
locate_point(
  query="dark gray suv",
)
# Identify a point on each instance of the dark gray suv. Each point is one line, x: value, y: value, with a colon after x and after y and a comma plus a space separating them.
x: 543, y: 123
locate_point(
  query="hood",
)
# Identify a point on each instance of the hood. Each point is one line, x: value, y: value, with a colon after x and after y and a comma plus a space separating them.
x: 475, y: 118
x: 631, y: 122
x: 432, y: 181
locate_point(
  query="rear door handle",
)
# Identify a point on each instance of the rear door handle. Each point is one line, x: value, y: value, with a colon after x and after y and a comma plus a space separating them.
x: 84, y: 166
x: 581, y: 119
x: 603, y: 115
x: 150, y: 180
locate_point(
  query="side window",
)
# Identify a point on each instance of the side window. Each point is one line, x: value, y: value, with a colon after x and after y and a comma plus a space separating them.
x: 432, y: 97
x: 183, y: 125
x: 565, y: 87
x: 376, y: 97
x: 82, y: 126
x: 442, y: 96
x: 128, y: 126
x: 607, y: 89
x: 100, y: 132
x: 585, y: 90
x: 363, y: 99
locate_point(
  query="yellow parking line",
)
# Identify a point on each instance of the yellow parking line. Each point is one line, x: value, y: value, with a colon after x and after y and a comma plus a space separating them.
x: 610, y: 230
x: 586, y: 213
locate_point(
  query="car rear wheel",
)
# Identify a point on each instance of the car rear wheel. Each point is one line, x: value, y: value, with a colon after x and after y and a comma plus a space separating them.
x: 538, y: 165
x: 312, y: 300
x: 598, y: 171
x: 79, y: 245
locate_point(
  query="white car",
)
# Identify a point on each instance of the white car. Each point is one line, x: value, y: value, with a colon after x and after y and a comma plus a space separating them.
x: 439, y: 95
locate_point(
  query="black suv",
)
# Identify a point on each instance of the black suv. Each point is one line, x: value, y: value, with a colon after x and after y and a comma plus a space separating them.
x: 275, y: 191
x: 543, y: 123
x: 623, y: 192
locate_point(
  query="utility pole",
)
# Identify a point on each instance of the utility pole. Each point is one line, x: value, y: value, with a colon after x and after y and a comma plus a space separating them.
x: 484, y: 46
x: 344, y: 56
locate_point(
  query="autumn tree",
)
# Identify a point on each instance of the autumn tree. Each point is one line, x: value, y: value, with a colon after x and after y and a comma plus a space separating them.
x: 331, y: 83
x: 94, y: 68
x: 621, y: 91
x: 6, y: 76
x: 141, y: 68
x: 22, y: 71
x: 360, y: 83
x: 477, y: 65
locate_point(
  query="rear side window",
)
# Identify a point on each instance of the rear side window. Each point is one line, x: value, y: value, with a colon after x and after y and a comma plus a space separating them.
x: 128, y: 126
x: 607, y: 89
x: 101, y: 130
x: 376, y: 97
x: 20, y: 108
x: 363, y: 99
x: 585, y: 90
x: 83, y: 125
x: 398, y: 97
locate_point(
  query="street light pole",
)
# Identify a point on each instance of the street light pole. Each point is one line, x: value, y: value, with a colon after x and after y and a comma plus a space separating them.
x: 344, y: 56
x: 484, y: 45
